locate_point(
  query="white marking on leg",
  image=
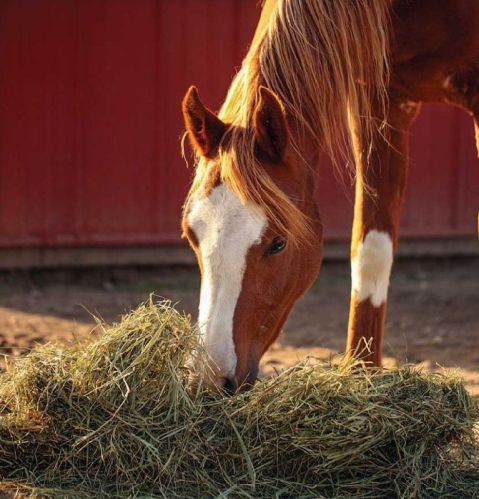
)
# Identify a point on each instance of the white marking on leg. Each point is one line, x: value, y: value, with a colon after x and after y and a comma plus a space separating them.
x: 226, y: 229
x: 371, y: 268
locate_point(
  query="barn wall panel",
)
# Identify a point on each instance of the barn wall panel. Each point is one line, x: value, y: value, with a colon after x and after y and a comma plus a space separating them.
x: 90, y: 124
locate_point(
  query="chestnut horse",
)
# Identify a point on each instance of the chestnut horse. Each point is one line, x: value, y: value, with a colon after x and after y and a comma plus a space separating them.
x: 320, y: 75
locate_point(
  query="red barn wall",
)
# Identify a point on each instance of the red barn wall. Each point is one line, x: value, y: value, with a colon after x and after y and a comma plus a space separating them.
x: 90, y: 124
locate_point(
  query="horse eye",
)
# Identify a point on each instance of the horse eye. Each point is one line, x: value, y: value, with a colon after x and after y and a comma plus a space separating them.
x: 277, y: 246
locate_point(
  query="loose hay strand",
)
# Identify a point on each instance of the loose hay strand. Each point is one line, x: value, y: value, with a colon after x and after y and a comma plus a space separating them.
x: 117, y: 416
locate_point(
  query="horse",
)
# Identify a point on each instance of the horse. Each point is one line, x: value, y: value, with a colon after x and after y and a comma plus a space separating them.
x: 345, y: 77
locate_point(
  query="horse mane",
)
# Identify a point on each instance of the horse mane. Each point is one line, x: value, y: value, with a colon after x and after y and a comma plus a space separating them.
x: 327, y: 60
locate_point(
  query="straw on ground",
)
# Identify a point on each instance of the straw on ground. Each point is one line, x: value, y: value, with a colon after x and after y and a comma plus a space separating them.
x: 118, y: 416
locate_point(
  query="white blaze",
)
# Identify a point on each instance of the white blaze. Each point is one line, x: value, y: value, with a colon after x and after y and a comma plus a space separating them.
x: 371, y: 267
x: 225, y: 229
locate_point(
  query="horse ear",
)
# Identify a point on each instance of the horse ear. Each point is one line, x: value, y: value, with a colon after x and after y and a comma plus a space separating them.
x: 270, y: 126
x: 205, y: 129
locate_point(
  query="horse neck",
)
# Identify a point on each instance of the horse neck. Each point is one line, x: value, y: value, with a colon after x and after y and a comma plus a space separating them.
x: 306, y: 154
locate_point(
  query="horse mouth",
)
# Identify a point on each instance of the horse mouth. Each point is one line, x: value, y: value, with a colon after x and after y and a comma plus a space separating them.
x: 231, y: 386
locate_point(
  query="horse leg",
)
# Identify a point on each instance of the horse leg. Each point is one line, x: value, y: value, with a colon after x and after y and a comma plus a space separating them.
x: 379, y: 195
x: 476, y: 128
x: 462, y: 89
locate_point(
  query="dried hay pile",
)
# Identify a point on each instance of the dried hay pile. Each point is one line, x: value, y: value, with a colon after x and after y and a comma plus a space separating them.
x: 116, y: 417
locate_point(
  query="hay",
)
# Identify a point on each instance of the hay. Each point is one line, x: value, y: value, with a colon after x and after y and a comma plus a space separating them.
x: 116, y: 417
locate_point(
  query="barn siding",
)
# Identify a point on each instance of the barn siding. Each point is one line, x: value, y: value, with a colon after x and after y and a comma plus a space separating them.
x: 90, y: 124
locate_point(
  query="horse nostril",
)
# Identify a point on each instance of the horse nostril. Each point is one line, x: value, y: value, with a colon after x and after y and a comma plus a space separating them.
x: 229, y: 386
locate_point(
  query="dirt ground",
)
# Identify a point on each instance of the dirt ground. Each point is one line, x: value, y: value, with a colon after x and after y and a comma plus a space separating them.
x: 433, y: 315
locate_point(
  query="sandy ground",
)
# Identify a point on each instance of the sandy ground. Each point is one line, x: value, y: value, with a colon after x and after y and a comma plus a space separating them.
x: 433, y: 311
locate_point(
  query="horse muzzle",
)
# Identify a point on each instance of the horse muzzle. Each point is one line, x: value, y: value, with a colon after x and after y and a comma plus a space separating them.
x: 240, y: 382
